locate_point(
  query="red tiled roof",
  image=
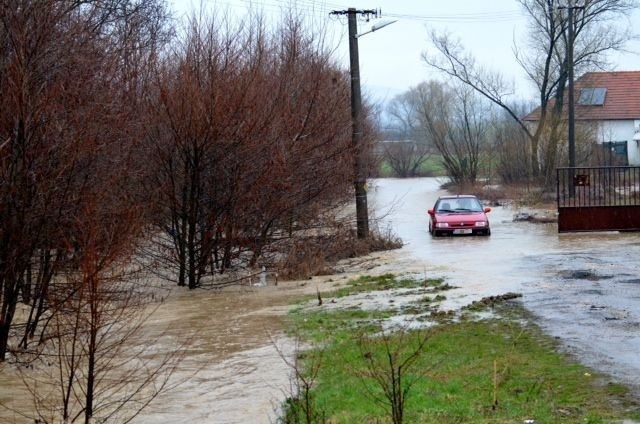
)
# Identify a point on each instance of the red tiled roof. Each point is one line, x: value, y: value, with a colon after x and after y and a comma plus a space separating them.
x: 622, y: 100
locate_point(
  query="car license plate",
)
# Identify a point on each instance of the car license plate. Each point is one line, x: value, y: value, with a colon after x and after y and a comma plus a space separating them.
x: 463, y: 231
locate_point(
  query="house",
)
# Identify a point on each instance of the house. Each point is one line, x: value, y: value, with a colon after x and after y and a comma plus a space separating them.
x: 610, y: 101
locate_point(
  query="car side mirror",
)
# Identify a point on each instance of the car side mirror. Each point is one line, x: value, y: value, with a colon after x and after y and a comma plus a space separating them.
x: 487, y: 210
x: 431, y: 212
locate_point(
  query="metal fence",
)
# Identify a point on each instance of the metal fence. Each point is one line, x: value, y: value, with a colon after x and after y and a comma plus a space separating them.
x: 604, y: 198
x: 598, y: 186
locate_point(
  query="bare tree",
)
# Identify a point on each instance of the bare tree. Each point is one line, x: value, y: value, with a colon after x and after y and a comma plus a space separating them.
x: 456, y: 121
x: 95, y: 360
x: 512, y: 160
x: 64, y: 113
x: 545, y: 63
x: 250, y: 143
x: 407, y: 154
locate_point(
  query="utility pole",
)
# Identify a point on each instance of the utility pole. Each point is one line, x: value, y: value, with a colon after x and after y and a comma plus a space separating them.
x: 571, y: 104
x: 572, y: 123
x: 360, y: 182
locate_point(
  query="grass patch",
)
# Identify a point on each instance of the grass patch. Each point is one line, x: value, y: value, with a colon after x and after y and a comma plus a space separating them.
x: 334, y: 326
x: 380, y: 283
x: 386, y: 282
x: 497, y: 370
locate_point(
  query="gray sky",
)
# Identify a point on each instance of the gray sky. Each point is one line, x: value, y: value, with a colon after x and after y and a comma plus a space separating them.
x: 390, y: 59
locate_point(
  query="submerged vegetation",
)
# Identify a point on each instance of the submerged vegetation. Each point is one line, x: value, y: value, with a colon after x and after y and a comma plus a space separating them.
x: 384, y: 282
x: 500, y: 369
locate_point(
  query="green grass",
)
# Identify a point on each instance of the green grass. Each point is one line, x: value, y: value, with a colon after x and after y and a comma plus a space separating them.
x: 334, y: 326
x: 455, y: 372
x: 432, y: 167
x: 386, y: 282
x: 377, y: 283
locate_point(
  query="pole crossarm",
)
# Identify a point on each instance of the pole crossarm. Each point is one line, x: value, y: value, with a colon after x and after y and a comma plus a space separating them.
x: 366, y: 12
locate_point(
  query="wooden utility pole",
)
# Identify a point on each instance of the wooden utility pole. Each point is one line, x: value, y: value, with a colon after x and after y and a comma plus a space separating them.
x: 572, y: 123
x: 571, y: 103
x: 360, y: 183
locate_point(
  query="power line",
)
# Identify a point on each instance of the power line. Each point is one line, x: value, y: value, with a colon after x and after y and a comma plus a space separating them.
x: 307, y: 7
x: 481, y: 17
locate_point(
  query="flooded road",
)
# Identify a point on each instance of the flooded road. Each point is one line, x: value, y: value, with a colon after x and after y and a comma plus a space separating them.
x: 584, y: 288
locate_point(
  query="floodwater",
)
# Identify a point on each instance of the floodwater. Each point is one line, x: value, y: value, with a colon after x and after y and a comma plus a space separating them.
x: 584, y: 289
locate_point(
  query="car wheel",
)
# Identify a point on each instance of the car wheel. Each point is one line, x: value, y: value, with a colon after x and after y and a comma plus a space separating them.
x: 487, y: 233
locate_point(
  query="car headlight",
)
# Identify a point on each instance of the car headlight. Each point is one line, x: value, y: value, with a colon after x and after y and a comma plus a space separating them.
x: 442, y: 225
x: 481, y: 224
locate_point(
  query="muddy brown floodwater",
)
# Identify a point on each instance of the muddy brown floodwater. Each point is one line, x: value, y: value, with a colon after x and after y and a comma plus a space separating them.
x: 584, y: 289
x: 232, y: 370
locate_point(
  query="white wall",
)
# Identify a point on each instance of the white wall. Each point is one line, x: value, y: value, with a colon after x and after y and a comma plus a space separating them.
x: 616, y: 131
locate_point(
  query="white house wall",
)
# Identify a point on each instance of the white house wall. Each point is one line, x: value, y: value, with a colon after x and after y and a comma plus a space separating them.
x: 616, y: 131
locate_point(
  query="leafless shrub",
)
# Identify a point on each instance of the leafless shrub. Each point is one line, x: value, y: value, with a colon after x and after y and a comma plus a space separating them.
x: 300, y: 405
x: 390, y: 367
x: 511, y: 146
x: 317, y: 255
x: 405, y: 157
x: 453, y: 121
x: 92, y: 361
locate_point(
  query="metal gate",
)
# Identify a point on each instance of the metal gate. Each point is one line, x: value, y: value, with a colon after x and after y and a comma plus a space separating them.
x: 598, y: 198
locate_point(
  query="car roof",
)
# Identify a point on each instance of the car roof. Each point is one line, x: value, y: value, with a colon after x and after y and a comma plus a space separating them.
x: 458, y: 196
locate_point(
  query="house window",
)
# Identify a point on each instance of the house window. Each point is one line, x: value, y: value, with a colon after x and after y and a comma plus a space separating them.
x: 592, y: 96
x: 615, y: 153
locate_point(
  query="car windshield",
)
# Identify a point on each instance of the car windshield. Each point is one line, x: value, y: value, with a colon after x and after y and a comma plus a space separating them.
x: 460, y: 204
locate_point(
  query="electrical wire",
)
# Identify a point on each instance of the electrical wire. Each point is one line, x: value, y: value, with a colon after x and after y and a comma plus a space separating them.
x: 309, y: 7
x: 481, y: 17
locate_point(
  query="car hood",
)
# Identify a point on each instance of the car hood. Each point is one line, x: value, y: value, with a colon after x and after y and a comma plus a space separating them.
x: 461, y: 217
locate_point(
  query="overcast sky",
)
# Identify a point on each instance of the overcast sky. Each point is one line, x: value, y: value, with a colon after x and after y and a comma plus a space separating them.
x: 390, y: 59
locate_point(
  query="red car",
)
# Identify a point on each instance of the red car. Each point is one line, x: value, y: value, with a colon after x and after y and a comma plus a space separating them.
x: 462, y: 214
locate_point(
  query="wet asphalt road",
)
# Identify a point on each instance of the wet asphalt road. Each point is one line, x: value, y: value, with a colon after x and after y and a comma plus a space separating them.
x: 583, y: 287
